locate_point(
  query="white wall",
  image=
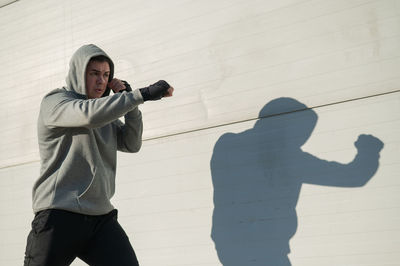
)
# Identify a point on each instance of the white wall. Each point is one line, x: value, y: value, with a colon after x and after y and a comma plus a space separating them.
x: 195, y: 195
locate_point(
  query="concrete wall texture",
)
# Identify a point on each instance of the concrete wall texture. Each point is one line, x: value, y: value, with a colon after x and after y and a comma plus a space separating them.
x: 280, y: 146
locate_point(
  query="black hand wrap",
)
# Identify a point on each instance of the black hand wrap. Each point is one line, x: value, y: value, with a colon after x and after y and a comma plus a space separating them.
x: 155, y: 91
x: 127, y: 86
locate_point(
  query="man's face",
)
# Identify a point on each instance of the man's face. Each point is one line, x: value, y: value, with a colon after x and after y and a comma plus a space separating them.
x: 97, y: 74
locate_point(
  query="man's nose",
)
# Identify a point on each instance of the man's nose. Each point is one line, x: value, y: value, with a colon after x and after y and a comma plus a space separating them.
x: 101, y: 80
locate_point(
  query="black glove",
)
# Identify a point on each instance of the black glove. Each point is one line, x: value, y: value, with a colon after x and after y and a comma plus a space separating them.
x: 127, y: 86
x: 155, y: 91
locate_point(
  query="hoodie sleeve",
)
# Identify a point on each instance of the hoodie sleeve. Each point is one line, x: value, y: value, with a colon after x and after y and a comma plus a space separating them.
x: 130, y: 134
x: 63, y: 108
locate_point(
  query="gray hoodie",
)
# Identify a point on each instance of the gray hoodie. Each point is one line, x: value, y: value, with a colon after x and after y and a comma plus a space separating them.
x: 78, y: 142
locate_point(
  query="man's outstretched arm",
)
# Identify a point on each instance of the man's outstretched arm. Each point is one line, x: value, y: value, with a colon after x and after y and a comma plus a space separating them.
x: 354, y: 174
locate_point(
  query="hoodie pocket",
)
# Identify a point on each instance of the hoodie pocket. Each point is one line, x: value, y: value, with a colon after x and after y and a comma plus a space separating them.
x: 89, y: 186
x: 95, y: 198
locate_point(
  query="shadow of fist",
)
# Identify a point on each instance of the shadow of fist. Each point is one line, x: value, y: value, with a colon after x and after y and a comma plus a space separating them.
x: 368, y: 143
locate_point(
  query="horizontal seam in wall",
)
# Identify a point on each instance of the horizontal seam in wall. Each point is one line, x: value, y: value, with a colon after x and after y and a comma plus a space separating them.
x: 11, y: 2
x: 273, y: 115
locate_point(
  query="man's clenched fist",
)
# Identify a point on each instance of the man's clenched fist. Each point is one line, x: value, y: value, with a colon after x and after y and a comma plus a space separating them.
x: 157, y: 91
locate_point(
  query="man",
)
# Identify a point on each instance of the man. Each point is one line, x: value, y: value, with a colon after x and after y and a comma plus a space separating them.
x: 79, y: 134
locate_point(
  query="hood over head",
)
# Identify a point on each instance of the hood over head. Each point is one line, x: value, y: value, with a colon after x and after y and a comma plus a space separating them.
x: 77, y: 68
x: 297, y: 125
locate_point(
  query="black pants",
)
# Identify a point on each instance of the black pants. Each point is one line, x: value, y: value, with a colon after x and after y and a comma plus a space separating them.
x: 58, y: 237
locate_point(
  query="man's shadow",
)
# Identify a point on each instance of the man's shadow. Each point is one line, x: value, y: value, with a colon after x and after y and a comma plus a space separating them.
x: 257, y: 177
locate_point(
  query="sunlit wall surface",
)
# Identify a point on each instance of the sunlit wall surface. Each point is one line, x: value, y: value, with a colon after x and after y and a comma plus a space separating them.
x: 280, y: 146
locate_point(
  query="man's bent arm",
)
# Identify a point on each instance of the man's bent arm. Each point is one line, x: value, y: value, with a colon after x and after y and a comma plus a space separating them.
x: 130, y: 133
x: 63, y: 109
